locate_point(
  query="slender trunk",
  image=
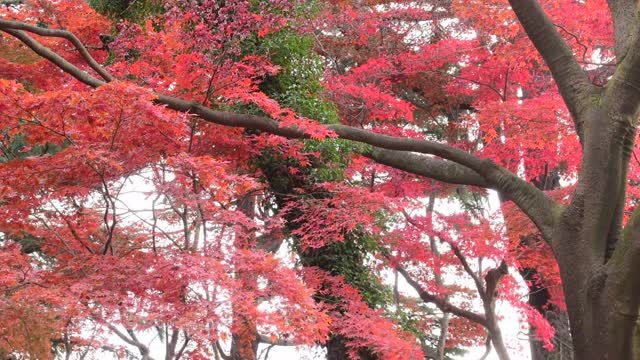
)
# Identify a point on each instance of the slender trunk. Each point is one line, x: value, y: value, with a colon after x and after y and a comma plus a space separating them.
x: 492, y: 280
x: 444, y: 321
x: 170, y: 345
x: 498, y: 344
x: 244, y: 339
x: 444, y: 331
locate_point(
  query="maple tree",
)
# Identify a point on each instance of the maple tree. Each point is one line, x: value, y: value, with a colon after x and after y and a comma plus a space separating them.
x: 203, y: 102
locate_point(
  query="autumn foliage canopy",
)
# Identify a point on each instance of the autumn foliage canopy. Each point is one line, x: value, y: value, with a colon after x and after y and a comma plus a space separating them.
x: 203, y: 172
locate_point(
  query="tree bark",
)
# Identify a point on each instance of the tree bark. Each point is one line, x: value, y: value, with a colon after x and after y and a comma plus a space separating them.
x: 337, y: 350
x: 597, y: 266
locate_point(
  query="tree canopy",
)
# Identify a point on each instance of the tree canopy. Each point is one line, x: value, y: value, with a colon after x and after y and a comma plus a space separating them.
x: 225, y: 174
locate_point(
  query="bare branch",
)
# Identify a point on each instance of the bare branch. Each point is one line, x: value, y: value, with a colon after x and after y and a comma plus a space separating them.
x: 456, y: 251
x: 467, y: 268
x: 144, y: 350
x: 440, y: 303
x: 221, y: 351
x: 487, y: 350
x: 187, y: 338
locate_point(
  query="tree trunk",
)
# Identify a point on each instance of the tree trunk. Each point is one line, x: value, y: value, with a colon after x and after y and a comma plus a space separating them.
x: 244, y: 332
x: 337, y: 350
x: 442, y: 339
x: 598, y: 262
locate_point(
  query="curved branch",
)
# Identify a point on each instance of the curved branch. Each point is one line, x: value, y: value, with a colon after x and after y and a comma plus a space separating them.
x: 456, y: 252
x: 56, y: 59
x: 440, y: 303
x: 221, y: 351
x: 7, y: 24
x: 625, y: 88
x: 487, y: 350
x: 441, y: 170
x: 144, y: 349
x: 539, y: 207
x: 576, y: 38
x: 572, y: 81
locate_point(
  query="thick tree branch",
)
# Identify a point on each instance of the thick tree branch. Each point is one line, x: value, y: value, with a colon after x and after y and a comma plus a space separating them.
x: 624, y: 267
x: 572, y: 81
x: 441, y: 170
x: 7, y: 24
x: 540, y: 208
x: 625, y: 24
x: 56, y: 59
x: 619, y: 116
x: 625, y: 83
x: 144, y: 350
x: 440, y: 303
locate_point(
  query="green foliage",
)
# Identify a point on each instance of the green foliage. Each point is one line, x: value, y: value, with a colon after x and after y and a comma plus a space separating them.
x: 298, y: 87
x: 347, y: 259
x: 17, y: 148
x: 298, y: 84
x: 132, y: 10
